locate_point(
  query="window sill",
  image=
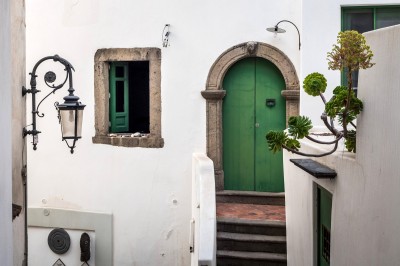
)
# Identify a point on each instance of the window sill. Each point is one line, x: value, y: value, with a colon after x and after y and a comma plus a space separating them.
x: 143, y: 142
x: 314, y: 168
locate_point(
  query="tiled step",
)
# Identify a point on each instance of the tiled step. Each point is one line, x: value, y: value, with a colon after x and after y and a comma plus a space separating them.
x: 251, y: 228
x: 241, y: 258
x: 251, y: 242
x: 251, y: 197
x: 260, y: 227
x: 251, y: 211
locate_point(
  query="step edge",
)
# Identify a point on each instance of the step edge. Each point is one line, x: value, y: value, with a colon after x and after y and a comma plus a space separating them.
x: 250, y: 193
x: 272, y: 223
x: 251, y: 255
x: 251, y: 237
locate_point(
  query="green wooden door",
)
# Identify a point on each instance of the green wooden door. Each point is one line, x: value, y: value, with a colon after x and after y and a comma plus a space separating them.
x: 119, y: 97
x: 248, y: 164
x: 324, y: 226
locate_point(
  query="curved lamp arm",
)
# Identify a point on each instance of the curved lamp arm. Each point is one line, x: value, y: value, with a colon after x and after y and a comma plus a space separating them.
x: 277, y: 29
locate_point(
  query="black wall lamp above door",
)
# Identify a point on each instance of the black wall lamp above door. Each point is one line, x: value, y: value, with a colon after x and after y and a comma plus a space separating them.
x: 70, y: 113
x: 276, y: 29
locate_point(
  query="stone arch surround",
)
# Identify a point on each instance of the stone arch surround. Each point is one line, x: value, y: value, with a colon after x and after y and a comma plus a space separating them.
x: 214, y: 94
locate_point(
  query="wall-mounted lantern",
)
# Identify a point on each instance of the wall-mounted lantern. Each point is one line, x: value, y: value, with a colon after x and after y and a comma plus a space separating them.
x: 70, y: 113
x: 276, y: 29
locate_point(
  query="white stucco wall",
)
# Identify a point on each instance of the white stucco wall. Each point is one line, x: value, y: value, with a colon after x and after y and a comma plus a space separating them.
x: 18, y: 76
x: 6, y: 240
x: 148, y: 191
x: 366, y: 191
x: 12, y: 120
x: 321, y: 24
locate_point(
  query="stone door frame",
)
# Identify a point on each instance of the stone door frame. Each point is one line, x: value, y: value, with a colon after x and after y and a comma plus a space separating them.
x: 214, y: 94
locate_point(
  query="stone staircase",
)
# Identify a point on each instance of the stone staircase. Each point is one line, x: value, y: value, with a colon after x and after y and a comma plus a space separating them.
x: 248, y: 233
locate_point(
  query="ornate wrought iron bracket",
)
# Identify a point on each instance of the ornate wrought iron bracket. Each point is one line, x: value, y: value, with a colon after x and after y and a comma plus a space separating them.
x: 71, y: 101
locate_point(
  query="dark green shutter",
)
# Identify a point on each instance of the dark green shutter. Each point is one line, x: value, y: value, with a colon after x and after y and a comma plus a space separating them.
x: 324, y: 226
x: 119, y: 97
x: 367, y: 18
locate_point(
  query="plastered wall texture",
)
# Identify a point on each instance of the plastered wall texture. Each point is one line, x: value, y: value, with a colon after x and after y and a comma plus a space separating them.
x: 19, y: 158
x: 147, y: 190
x: 6, y: 227
x: 12, y: 120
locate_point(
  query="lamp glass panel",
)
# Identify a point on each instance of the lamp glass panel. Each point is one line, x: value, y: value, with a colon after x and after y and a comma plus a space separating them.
x: 79, y: 123
x: 68, y: 123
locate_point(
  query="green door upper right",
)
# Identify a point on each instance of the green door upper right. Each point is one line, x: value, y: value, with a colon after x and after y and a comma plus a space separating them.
x: 248, y: 164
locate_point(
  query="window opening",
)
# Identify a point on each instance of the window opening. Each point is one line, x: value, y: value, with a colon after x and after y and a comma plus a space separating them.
x: 139, y: 119
x: 129, y: 97
x: 137, y: 107
x: 119, y: 71
x: 119, y: 96
x: 363, y: 19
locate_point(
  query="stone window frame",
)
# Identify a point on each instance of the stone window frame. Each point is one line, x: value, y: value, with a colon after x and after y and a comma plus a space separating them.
x: 101, y: 96
x: 214, y: 94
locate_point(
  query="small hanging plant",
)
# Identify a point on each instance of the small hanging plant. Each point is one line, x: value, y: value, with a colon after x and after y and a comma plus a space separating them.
x: 350, y: 54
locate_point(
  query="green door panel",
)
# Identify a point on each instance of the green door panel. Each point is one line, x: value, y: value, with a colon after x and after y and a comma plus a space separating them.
x: 324, y: 226
x: 268, y: 166
x: 248, y: 164
x: 238, y: 126
x: 119, y: 97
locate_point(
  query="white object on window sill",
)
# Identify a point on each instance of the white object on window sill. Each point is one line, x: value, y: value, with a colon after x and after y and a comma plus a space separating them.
x: 134, y: 135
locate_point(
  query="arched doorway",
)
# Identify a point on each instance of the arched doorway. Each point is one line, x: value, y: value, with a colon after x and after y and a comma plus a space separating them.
x: 214, y: 94
x: 252, y: 106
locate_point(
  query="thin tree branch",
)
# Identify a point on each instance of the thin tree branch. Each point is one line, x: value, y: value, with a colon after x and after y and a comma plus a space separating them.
x: 322, y: 97
x: 325, y: 142
x: 334, y: 131
x: 312, y: 155
x: 324, y: 101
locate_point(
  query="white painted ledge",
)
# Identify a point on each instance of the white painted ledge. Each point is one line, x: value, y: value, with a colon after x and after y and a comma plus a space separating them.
x: 203, y: 211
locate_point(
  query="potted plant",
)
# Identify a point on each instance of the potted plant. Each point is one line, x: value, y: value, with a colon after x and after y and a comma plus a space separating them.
x: 350, y: 54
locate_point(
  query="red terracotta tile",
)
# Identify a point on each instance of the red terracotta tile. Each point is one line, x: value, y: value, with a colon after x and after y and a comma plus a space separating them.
x: 251, y: 211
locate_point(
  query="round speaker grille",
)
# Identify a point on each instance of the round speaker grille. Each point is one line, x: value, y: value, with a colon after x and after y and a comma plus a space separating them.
x: 59, y: 241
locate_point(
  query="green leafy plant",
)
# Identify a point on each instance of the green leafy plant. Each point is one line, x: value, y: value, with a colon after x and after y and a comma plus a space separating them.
x: 350, y: 54
x: 314, y: 84
x: 299, y: 126
x: 279, y: 139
